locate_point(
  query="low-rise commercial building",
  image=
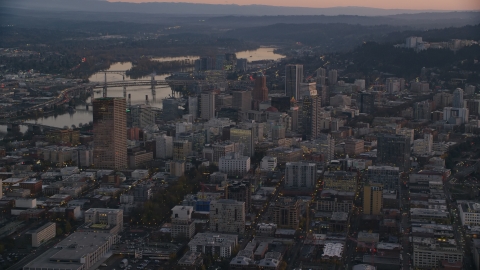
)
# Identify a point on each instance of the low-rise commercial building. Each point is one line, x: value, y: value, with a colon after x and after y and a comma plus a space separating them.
x: 79, y: 251
x: 42, y: 234
x: 221, y: 245
x: 340, y: 181
x: 469, y: 212
x: 428, y: 253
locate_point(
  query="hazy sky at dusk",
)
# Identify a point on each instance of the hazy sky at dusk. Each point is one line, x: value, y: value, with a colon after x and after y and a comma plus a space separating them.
x: 386, y: 4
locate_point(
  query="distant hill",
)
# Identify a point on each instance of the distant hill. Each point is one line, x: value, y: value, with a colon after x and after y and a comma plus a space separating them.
x: 344, y: 37
x: 199, y: 9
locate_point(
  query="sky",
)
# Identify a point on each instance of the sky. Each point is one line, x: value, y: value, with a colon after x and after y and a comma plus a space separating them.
x: 384, y: 4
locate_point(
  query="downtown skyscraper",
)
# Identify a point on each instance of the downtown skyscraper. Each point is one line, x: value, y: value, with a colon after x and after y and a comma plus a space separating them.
x: 293, y: 79
x: 110, y: 133
x: 260, y: 90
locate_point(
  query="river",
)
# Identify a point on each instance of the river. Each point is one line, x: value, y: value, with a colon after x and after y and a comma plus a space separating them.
x: 81, y: 115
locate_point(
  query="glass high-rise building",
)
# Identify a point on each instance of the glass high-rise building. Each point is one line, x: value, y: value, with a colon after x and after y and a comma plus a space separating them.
x: 293, y: 79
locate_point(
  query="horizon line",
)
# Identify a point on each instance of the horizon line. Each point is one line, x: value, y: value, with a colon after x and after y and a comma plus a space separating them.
x: 265, y: 5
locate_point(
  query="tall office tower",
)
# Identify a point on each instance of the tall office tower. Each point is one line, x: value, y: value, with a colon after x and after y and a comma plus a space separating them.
x: 240, y: 191
x: 227, y: 216
x: 421, y: 110
x: 321, y: 72
x: 442, y: 99
x: 332, y: 77
x: 286, y: 212
x: 207, y: 110
x: 316, y: 116
x: 366, y: 103
x: 300, y: 175
x: 293, y: 79
x: 110, y: 133
x: 306, y: 116
x: 183, y: 225
x: 242, y: 100
x: 393, y: 149
x: 293, y: 113
x: 193, y: 106
x: 322, y: 92
x: 245, y: 137
x: 260, y: 90
x: 372, y: 199
x: 170, y: 109
x: 458, y: 98
x: 164, y: 146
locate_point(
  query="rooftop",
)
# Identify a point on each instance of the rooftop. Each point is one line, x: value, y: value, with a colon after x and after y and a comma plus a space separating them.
x: 333, y: 250
x: 40, y: 228
x: 68, y: 253
x: 190, y: 258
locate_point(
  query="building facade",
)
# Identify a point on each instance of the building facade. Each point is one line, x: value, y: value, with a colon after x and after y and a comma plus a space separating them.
x: 110, y: 133
x: 300, y: 175
x: 293, y: 79
x: 227, y: 216
x: 286, y: 212
x: 393, y: 150
x: 234, y: 164
x: 387, y: 176
x: 42, y: 234
x: 372, y: 199
x: 182, y: 223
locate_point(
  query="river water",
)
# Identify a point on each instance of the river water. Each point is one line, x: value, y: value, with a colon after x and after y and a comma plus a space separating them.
x: 138, y: 93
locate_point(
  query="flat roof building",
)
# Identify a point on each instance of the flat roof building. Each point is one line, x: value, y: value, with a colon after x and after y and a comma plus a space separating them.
x: 79, y: 251
x: 42, y: 234
x: 213, y: 243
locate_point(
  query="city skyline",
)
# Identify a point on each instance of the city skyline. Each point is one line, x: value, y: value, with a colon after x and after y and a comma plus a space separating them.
x: 443, y: 5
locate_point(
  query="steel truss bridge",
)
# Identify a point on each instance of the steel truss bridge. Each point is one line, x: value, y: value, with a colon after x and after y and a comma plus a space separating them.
x: 154, y: 84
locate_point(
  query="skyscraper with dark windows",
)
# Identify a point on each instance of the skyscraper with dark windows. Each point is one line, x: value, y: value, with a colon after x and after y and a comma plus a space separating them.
x: 110, y: 133
x: 260, y: 90
x: 293, y: 79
